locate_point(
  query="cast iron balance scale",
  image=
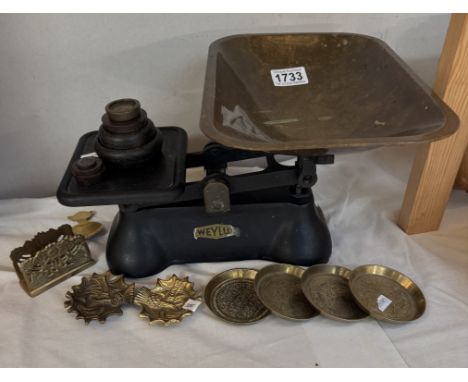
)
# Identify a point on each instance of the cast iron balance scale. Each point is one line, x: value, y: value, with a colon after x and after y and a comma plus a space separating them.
x: 296, y: 94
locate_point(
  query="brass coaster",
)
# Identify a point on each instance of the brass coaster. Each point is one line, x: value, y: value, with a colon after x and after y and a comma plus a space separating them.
x: 231, y: 296
x: 387, y: 294
x: 327, y: 289
x: 49, y: 258
x: 279, y: 288
x: 99, y: 296
x: 166, y: 302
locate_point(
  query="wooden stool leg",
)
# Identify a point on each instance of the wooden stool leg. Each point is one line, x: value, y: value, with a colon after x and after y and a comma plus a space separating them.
x: 462, y: 176
x: 436, y: 164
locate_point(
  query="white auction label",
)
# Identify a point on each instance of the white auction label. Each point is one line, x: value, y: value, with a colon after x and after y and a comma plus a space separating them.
x: 383, y: 302
x: 289, y: 76
x: 93, y: 154
x: 191, y: 304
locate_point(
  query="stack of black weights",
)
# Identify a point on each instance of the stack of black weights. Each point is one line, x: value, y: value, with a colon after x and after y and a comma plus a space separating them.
x: 127, y: 138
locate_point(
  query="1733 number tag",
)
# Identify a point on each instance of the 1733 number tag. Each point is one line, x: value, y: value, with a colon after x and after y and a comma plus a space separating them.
x: 289, y: 76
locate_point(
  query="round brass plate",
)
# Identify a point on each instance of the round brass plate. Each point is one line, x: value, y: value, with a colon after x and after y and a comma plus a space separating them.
x: 231, y: 296
x: 279, y: 288
x: 387, y: 294
x: 87, y: 229
x: 327, y: 289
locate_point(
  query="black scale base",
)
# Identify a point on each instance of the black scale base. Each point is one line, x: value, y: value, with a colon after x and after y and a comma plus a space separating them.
x: 158, y: 226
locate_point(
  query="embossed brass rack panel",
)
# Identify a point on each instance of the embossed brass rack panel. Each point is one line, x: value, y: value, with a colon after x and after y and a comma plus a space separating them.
x: 49, y: 258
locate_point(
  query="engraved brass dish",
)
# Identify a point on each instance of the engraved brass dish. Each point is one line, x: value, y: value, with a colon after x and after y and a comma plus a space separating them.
x: 99, y: 296
x: 231, y: 296
x: 387, y: 294
x: 49, y: 258
x: 279, y: 288
x: 327, y: 289
x: 164, y: 304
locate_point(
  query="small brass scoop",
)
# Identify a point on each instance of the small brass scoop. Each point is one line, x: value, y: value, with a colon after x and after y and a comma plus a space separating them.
x: 86, y: 228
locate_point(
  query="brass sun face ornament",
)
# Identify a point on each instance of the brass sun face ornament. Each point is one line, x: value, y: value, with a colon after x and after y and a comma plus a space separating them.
x: 166, y: 303
x: 99, y: 296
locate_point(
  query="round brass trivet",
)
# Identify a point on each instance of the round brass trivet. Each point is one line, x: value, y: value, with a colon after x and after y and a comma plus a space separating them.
x: 387, y: 294
x: 327, y: 289
x: 279, y: 288
x: 231, y: 296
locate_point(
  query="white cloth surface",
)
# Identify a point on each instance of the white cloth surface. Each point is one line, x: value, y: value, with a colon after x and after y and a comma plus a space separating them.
x: 360, y: 195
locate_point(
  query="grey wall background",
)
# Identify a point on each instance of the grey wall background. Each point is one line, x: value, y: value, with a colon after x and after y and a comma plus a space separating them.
x: 58, y: 71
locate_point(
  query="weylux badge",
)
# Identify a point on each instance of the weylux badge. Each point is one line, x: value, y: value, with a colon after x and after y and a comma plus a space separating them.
x: 215, y: 231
